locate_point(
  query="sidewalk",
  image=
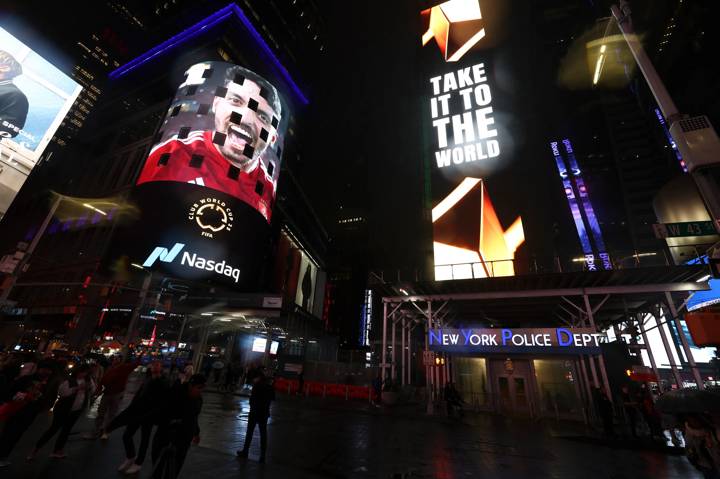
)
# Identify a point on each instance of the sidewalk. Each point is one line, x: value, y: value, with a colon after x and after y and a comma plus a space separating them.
x: 312, y: 438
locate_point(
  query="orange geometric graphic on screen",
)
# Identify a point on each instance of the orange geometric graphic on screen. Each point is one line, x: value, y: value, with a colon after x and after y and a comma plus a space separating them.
x: 469, y: 240
x: 456, y: 26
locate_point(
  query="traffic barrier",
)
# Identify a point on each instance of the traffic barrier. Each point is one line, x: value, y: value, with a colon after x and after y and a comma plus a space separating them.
x: 315, y: 388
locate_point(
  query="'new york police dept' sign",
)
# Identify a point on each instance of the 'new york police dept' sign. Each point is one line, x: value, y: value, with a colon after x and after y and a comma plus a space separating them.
x: 506, y: 340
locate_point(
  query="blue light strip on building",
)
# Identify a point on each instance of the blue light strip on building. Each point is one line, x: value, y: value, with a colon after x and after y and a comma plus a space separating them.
x: 203, y: 26
x: 670, y: 140
x: 573, y: 204
x: 587, y: 205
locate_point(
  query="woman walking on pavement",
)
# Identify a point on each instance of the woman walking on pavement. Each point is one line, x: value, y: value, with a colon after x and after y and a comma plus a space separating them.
x: 73, y: 397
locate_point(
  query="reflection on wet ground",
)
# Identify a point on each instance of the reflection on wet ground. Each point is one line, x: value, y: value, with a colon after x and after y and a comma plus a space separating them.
x: 316, y: 438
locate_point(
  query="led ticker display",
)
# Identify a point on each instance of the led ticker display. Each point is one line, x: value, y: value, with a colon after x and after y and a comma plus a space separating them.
x: 35, y: 97
x: 223, y: 131
x: 476, y: 234
x: 582, y: 212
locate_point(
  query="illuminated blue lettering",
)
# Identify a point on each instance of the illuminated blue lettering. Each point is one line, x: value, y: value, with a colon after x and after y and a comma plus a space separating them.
x: 506, y: 334
x: 466, y: 334
x: 567, y: 333
x: 436, y: 337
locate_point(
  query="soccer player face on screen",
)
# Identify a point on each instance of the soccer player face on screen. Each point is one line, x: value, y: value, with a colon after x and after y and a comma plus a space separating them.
x: 246, y: 118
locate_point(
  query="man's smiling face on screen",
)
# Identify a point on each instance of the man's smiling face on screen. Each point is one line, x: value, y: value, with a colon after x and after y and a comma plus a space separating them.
x: 242, y: 116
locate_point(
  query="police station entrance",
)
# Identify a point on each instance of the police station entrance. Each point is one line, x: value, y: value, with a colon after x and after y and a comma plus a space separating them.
x: 520, y: 386
x: 512, y: 383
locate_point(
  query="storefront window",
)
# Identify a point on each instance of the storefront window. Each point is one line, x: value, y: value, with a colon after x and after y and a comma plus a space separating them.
x: 471, y: 379
x: 557, y: 381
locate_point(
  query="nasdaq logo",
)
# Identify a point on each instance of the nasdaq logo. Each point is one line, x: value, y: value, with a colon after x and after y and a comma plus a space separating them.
x: 163, y: 254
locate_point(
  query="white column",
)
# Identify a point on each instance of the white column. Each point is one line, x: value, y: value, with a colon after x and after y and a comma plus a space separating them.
x: 601, y: 359
x: 402, y: 351
x: 684, y: 341
x: 383, y: 354
x: 668, y: 351
x: 393, y: 356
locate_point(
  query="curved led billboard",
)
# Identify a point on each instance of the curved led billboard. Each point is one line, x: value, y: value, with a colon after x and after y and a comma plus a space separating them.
x: 205, y: 193
x: 222, y: 131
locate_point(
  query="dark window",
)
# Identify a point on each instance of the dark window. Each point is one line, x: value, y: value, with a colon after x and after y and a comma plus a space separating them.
x: 253, y: 105
x: 219, y: 138
x: 235, y: 117
x: 184, y: 132
x: 259, y: 187
x: 191, y: 90
x: 196, y: 161
x: 239, y: 78
x: 207, y: 73
x: 248, y: 151
x: 275, y: 122
x: 233, y: 172
x: 263, y: 134
x: 163, y: 159
x: 175, y: 111
x: 203, y: 109
x: 221, y: 91
x: 270, y: 167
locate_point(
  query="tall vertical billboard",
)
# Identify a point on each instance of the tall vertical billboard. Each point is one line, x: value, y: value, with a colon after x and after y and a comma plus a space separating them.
x: 35, y: 96
x: 473, y: 138
x: 206, y: 191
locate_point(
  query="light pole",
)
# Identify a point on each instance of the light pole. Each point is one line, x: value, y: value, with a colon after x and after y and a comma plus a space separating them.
x: 695, y: 137
x: 136, y: 312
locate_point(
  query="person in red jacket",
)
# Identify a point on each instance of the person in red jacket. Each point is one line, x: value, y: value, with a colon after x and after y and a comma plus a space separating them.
x: 112, y: 387
x: 230, y: 157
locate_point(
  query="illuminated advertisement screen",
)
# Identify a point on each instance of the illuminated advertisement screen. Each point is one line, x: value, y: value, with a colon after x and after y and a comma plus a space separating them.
x: 223, y: 131
x: 259, y: 344
x: 205, y: 193
x: 35, y: 96
x: 307, y: 278
x: 472, y: 138
x: 274, y: 347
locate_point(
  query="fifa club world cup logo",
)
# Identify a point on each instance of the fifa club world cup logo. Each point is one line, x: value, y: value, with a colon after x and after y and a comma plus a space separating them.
x: 456, y: 26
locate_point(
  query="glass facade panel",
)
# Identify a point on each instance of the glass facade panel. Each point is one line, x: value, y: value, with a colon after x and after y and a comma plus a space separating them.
x: 557, y: 383
x: 471, y: 379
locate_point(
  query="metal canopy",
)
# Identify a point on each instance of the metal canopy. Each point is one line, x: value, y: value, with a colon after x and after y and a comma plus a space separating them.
x: 540, y: 299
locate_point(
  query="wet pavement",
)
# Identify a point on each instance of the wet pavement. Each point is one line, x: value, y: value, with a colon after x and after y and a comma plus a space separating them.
x: 316, y: 438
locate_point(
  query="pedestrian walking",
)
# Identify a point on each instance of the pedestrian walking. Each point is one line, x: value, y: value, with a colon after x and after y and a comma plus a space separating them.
x: 177, y: 428
x: 142, y: 414
x: 605, y: 408
x: 217, y: 367
x: 261, y: 396
x: 630, y: 409
x: 112, y: 387
x: 73, y: 397
x: 301, y: 382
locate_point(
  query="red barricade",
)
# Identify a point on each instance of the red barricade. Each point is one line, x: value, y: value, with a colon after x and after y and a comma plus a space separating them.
x: 314, y: 388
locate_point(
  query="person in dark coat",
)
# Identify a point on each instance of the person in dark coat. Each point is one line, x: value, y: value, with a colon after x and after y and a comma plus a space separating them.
x: 261, y: 396
x: 177, y: 427
x: 142, y: 413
